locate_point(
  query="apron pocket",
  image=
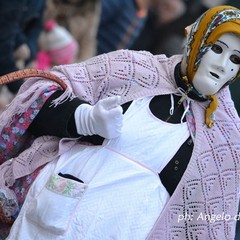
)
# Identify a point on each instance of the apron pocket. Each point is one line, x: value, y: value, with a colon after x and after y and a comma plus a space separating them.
x: 54, y: 207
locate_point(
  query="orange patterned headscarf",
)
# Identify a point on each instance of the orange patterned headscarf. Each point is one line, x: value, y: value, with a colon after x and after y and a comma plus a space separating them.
x: 205, y: 31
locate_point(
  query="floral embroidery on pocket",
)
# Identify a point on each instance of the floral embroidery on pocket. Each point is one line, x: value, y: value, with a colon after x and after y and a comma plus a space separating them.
x: 66, y: 187
x: 44, y: 209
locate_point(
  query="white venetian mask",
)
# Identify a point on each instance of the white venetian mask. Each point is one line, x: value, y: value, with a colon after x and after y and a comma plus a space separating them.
x: 219, y: 65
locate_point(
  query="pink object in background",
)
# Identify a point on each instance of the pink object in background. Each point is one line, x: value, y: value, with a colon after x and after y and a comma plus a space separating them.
x: 43, y: 61
x: 58, y: 46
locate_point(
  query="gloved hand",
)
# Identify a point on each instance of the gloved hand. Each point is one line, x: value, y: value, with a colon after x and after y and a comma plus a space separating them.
x: 104, y: 119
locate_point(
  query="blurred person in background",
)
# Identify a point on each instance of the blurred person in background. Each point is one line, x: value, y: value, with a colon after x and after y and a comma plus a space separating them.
x: 79, y: 17
x: 163, y: 31
x: 161, y: 15
x: 21, y: 22
x: 120, y: 24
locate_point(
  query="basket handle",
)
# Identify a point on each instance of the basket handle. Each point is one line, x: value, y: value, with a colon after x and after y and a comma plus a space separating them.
x: 31, y: 72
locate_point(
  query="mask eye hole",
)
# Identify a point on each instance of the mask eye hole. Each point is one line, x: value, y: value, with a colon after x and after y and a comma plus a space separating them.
x: 217, y: 48
x: 235, y: 59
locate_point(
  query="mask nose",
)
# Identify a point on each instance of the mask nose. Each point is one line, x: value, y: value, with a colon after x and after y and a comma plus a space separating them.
x: 221, y: 65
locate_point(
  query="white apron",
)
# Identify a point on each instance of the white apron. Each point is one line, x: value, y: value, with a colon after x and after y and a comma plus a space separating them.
x: 122, y: 195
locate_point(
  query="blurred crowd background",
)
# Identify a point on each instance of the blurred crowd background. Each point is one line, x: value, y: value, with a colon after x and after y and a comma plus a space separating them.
x: 43, y: 33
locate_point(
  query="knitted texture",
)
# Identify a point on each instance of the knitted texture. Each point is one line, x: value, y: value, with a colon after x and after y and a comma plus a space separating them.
x: 130, y: 74
x: 205, y: 203
x: 209, y: 188
x: 95, y: 79
x: 210, y: 184
x: 43, y: 148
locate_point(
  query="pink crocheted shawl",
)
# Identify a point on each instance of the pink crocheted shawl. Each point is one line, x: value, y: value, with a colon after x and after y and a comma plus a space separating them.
x: 210, y: 184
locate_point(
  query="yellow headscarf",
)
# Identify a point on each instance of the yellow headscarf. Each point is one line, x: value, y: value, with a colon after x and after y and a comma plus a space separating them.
x: 205, y: 31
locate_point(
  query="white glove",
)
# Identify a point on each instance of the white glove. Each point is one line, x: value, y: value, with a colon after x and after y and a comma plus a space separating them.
x: 104, y: 119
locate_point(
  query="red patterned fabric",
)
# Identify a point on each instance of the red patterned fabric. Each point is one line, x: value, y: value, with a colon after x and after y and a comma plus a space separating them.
x: 14, y: 139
